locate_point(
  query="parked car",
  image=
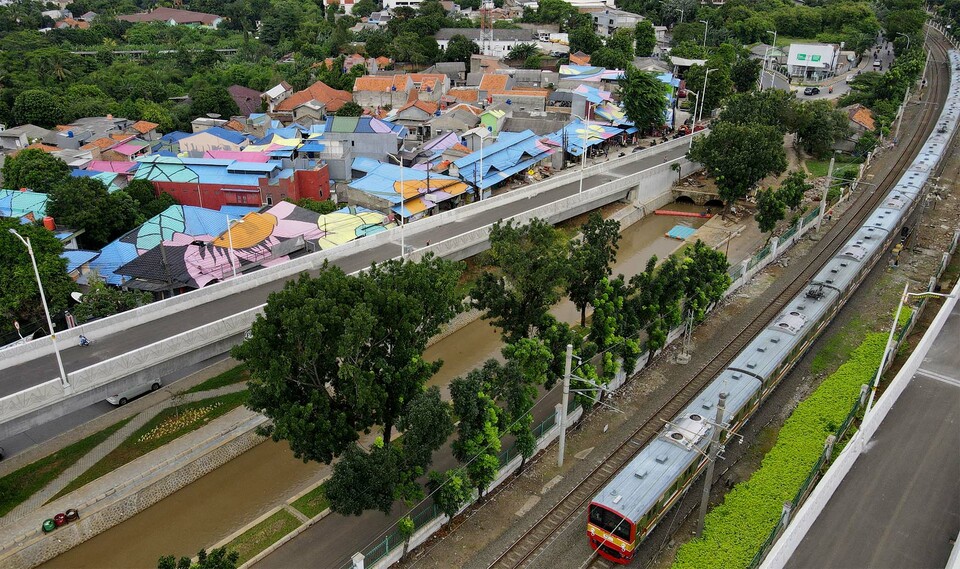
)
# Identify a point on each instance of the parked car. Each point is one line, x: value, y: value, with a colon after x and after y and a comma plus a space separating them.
x: 811, y: 91
x: 877, y: 65
x: 124, y: 396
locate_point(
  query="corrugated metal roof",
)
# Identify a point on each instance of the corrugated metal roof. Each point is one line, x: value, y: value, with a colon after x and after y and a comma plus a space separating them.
x: 77, y: 258
x: 14, y: 203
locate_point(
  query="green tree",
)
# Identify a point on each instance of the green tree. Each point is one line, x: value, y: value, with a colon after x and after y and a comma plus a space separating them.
x: 769, y: 211
x: 745, y: 74
x: 584, y: 39
x: 34, y: 169
x: 83, y: 203
x: 614, y: 329
x: 738, y: 156
x: 335, y: 355
x: 527, y: 365
x: 772, y: 107
x: 609, y: 59
x: 622, y: 41
x: 38, y: 107
x: 218, y: 558
x: 460, y: 48
x: 19, y: 295
x: 793, y: 188
x: 350, y: 109
x: 212, y: 99
x: 531, y: 268
x: 646, y: 38
x: 719, y: 84
x: 705, y: 277
x: 101, y: 301
x: 661, y: 291
x: 450, y: 491
x: 644, y: 98
x: 478, y: 441
x: 405, y: 528
x: 363, y: 8
x: 522, y: 51
x: 533, y: 62
x: 591, y: 260
x: 820, y: 127
x: 149, y: 201
x: 323, y: 207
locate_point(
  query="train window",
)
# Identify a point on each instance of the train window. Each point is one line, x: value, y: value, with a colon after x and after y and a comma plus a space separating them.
x: 610, y: 521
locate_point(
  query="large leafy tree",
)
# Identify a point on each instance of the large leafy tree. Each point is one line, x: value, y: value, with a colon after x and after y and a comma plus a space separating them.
x: 705, y: 278
x: 646, y: 38
x: 38, y: 107
x: 450, y: 491
x: 661, y: 291
x: 522, y: 51
x: 349, y: 109
x: 34, y: 169
x: 531, y: 265
x: 212, y: 99
x: 610, y: 58
x: 644, y: 98
x: 335, y: 355
x: 739, y: 155
x: 478, y: 433
x: 591, y: 259
x: 719, y: 84
x: 527, y: 365
x: 820, y: 126
x: 460, y: 48
x: 622, y: 42
x: 771, y: 107
x: 19, y: 295
x: 769, y: 210
x: 614, y: 329
x: 745, y: 74
x: 584, y: 39
x: 149, y: 201
x: 218, y: 558
x: 101, y: 301
x: 84, y: 203
x: 373, y: 480
x: 792, y: 189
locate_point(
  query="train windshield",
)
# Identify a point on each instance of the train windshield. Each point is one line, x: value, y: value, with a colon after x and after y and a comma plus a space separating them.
x: 609, y: 521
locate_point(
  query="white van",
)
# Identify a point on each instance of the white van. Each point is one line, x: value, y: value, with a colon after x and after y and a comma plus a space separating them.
x: 124, y: 396
x: 876, y: 64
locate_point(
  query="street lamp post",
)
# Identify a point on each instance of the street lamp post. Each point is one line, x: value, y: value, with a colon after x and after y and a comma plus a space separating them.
x: 908, y: 39
x: 46, y: 310
x: 706, y: 26
x: 403, y: 245
x: 893, y: 328
x: 765, y: 60
x: 583, y: 150
x: 706, y: 77
x: 681, y: 14
x: 232, y: 254
x: 480, y: 190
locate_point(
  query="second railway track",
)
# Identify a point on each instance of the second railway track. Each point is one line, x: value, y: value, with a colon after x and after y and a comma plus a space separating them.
x: 535, y: 540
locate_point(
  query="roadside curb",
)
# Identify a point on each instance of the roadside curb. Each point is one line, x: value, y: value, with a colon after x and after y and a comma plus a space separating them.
x: 283, y: 540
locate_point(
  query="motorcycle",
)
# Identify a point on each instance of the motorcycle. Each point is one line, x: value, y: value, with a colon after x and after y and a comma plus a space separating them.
x: 84, y: 341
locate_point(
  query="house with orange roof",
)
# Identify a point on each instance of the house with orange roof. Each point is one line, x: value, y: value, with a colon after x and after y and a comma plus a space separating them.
x: 379, y: 91
x: 430, y: 86
x: 146, y: 130
x: 861, y: 121
x: 579, y: 58
x: 416, y: 116
x: 70, y: 23
x: 462, y: 95
x: 313, y: 104
x: 493, y: 83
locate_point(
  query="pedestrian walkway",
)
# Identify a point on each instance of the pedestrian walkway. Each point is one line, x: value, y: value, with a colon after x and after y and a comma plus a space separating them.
x: 106, y: 447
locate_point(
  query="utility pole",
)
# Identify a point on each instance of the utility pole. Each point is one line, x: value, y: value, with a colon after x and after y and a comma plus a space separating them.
x: 564, y: 403
x: 711, y: 461
x: 826, y: 192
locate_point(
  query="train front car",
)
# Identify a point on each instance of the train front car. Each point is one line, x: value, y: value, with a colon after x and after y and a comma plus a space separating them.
x: 631, y: 505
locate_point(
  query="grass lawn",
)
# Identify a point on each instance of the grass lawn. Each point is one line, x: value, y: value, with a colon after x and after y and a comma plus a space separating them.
x: 19, y: 485
x: 263, y: 535
x: 837, y: 348
x: 229, y: 377
x: 313, y: 502
x: 168, y: 425
x: 843, y: 165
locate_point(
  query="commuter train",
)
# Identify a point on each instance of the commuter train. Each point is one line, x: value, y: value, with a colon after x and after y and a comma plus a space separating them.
x: 630, y: 506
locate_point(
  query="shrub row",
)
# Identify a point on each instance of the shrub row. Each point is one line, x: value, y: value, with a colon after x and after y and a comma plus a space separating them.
x: 735, y: 530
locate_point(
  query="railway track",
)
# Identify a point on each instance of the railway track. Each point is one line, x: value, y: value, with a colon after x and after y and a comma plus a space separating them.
x: 536, y: 539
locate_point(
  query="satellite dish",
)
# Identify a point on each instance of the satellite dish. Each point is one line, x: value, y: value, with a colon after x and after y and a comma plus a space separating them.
x: 77, y: 296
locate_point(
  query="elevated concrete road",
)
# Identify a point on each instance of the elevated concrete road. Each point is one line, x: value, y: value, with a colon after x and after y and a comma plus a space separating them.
x: 18, y: 377
x: 899, y: 506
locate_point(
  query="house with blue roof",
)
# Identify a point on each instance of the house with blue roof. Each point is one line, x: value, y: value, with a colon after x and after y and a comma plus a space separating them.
x: 170, y: 142
x: 78, y: 262
x: 18, y: 204
x: 512, y: 153
x: 213, y: 138
x: 368, y: 137
x: 406, y: 192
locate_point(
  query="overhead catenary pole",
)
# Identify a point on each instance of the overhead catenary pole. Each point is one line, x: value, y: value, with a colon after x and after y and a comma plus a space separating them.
x: 564, y: 401
x: 886, y: 349
x: 711, y: 461
x: 826, y: 192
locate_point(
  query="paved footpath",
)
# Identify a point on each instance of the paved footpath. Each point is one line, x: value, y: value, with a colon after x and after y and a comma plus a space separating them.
x: 40, y: 498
